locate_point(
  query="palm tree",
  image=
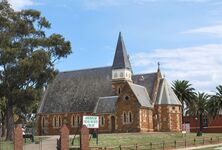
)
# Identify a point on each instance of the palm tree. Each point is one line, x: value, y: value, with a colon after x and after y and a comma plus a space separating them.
x: 185, y: 92
x: 215, y: 103
x: 200, y: 107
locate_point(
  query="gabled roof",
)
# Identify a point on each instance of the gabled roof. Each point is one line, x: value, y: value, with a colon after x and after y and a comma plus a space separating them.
x: 141, y: 94
x: 121, y: 59
x: 106, y: 105
x: 79, y: 91
x: 146, y: 80
x: 166, y: 94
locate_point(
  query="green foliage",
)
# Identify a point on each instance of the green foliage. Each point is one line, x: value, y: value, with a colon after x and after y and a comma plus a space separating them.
x: 27, y: 56
x: 215, y: 103
x: 200, y: 104
x: 184, y: 91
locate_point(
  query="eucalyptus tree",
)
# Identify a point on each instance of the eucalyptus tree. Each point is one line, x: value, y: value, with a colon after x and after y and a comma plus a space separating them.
x: 184, y: 91
x: 27, y: 57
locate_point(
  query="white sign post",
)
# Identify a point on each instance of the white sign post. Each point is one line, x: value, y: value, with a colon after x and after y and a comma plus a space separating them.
x: 91, y: 122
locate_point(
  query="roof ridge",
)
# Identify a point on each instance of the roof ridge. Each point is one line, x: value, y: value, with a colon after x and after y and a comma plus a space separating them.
x: 86, y: 69
x: 108, y: 97
x: 138, y: 85
x: 144, y: 74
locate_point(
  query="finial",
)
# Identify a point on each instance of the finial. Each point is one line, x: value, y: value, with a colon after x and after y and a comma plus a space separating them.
x: 158, y: 66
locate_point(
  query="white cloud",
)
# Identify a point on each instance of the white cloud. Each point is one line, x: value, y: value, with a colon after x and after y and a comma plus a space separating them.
x: 20, y: 4
x: 201, y: 65
x: 214, y: 30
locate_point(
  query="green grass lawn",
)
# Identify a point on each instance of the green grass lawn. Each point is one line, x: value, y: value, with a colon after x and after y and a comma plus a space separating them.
x: 112, y: 140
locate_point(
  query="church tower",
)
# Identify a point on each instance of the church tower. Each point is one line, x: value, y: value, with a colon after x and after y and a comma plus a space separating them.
x: 121, y: 69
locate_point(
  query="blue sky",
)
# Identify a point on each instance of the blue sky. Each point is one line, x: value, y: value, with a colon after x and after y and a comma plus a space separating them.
x: 185, y: 36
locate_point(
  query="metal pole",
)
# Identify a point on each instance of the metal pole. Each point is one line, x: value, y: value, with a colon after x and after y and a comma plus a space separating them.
x: 97, y: 137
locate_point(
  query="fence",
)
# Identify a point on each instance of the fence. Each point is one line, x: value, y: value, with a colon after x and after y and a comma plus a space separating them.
x: 6, y: 145
x: 164, y: 145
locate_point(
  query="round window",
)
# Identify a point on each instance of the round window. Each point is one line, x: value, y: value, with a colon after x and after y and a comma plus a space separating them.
x: 126, y: 97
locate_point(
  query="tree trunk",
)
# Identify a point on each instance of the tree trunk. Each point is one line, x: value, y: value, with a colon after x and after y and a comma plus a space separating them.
x: 201, y: 122
x: 3, y: 128
x: 182, y: 112
x: 10, y: 120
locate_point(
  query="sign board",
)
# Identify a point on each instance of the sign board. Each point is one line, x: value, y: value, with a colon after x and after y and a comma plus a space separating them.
x: 91, y: 121
x: 186, y: 127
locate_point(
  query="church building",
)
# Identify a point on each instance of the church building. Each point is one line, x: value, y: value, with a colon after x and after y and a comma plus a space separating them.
x: 124, y: 101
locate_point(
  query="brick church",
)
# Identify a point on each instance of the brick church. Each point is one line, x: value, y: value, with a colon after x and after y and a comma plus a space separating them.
x: 124, y: 102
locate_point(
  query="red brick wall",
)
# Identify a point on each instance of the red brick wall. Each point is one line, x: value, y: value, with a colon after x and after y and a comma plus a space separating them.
x: 146, y: 119
x: 107, y: 126
x: 214, y: 125
x: 18, y: 138
x: 167, y: 118
x: 66, y: 118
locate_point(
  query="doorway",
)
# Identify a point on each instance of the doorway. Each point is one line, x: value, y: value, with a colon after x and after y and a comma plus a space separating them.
x: 113, y: 124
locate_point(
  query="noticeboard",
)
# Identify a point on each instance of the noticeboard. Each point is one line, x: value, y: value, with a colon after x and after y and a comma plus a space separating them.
x: 91, y: 121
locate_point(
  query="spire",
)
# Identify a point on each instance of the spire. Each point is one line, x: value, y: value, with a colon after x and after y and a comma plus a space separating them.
x: 121, y: 59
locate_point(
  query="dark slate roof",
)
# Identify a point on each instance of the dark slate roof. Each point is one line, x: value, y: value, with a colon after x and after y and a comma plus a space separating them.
x: 166, y: 94
x: 146, y: 80
x: 79, y: 91
x: 141, y: 94
x: 121, y: 59
x: 106, y: 105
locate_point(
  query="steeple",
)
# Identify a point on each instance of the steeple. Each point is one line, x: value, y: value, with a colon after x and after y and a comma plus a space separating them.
x: 121, y: 69
x: 121, y: 59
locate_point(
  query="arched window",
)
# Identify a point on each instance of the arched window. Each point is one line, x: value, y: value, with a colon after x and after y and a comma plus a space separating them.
x: 73, y: 120
x: 78, y: 121
x: 43, y: 122
x: 119, y: 90
x: 115, y: 75
x: 121, y: 75
x: 59, y: 121
x: 54, y: 121
x: 102, y: 121
x: 130, y: 117
x: 124, y: 117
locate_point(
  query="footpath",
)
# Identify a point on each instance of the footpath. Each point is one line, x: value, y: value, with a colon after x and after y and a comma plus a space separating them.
x: 204, y: 146
x: 46, y: 144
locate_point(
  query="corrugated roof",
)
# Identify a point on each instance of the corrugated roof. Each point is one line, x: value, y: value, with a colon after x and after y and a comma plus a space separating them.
x: 106, y: 105
x: 141, y: 94
x: 166, y: 94
x: 121, y: 58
